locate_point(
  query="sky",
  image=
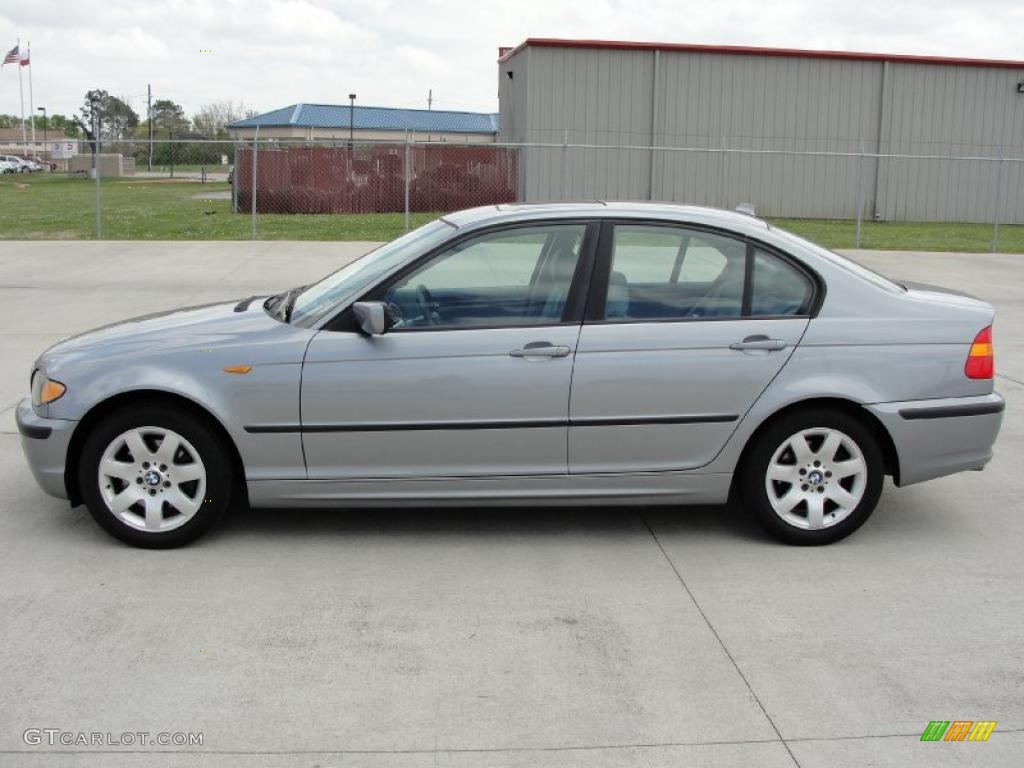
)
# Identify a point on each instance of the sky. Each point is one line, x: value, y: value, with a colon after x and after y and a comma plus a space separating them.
x: 271, y: 53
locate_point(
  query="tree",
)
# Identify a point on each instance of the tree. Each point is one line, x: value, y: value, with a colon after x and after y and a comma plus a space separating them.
x: 61, y: 123
x: 115, y: 118
x: 169, y: 117
x: 211, y: 119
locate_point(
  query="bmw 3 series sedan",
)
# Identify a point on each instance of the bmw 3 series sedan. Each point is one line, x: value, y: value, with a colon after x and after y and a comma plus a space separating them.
x: 615, y: 353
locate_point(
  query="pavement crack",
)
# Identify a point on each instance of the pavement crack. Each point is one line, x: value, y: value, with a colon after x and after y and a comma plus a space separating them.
x: 1010, y: 378
x: 718, y: 637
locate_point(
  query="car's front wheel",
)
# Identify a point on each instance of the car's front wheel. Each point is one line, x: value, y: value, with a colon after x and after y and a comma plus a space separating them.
x: 155, y: 476
x: 813, y: 477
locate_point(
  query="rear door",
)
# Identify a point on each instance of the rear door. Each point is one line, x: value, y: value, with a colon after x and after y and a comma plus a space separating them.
x: 685, y: 328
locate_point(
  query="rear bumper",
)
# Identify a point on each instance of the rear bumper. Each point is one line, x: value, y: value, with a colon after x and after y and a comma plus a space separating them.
x: 45, y: 443
x: 938, y: 437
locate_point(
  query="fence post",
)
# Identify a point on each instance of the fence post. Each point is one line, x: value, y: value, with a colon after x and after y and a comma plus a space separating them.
x: 234, y: 179
x: 96, y: 173
x: 565, y: 167
x: 255, y: 151
x: 408, y: 177
x: 860, y: 195
x: 721, y: 181
x: 995, y: 213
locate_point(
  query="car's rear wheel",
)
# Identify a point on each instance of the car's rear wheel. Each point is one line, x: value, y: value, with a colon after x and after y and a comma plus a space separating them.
x: 813, y: 477
x: 155, y: 477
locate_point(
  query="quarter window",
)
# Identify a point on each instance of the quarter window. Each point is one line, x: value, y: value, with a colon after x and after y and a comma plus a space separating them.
x: 777, y: 288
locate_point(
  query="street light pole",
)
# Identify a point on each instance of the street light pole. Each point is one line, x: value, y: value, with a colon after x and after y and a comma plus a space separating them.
x: 351, y: 119
x: 43, y: 110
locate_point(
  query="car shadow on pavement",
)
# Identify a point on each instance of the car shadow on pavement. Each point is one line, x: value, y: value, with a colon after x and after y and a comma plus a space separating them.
x: 712, y: 522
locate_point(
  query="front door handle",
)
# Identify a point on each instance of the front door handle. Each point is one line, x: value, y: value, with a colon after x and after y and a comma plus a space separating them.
x: 540, y: 349
x: 761, y: 342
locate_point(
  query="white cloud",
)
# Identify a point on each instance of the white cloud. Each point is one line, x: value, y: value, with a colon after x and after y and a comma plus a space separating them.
x: 269, y: 53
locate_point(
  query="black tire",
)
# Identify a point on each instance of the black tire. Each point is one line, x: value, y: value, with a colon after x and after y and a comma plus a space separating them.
x: 220, y: 475
x: 752, y: 475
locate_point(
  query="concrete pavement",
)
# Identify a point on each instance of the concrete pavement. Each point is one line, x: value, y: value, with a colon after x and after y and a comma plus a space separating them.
x: 529, y: 637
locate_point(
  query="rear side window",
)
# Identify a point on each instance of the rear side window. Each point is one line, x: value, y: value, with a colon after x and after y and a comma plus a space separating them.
x: 672, y: 273
x: 669, y: 273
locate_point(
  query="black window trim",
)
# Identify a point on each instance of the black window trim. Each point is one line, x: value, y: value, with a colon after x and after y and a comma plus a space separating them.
x: 598, y: 294
x: 575, y: 301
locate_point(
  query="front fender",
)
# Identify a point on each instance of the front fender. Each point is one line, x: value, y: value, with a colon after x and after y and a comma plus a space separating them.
x: 268, y: 392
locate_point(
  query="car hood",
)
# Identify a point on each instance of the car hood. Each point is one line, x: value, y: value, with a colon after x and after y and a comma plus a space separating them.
x: 217, y: 323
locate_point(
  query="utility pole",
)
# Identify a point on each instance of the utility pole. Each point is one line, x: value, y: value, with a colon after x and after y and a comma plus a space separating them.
x: 430, y: 98
x: 149, y: 121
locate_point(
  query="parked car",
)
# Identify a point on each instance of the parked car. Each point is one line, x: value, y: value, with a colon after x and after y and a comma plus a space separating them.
x: 8, y: 166
x: 20, y: 164
x: 556, y: 354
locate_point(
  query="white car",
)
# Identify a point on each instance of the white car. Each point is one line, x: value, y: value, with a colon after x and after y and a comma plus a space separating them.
x: 19, y: 164
x: 7, y: 166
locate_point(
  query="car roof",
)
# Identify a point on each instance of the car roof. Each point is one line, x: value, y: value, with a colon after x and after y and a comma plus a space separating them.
x: 511, y: 212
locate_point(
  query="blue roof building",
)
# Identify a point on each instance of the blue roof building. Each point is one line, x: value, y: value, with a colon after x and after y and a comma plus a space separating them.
x: 332, y: 121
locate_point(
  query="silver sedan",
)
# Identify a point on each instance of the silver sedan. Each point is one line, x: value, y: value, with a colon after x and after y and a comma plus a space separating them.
x: 556, y: 354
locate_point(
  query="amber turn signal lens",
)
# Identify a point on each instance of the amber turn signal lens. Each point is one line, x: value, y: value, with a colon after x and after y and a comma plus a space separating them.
x: 51, y: 391
x: 237, y: 369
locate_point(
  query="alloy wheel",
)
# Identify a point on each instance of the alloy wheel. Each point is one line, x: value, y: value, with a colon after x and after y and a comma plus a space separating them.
x: 816, y: 478
x: 152, y: 479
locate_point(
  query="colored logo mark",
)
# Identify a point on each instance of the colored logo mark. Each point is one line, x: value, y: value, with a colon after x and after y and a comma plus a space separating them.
x: 958, y: 730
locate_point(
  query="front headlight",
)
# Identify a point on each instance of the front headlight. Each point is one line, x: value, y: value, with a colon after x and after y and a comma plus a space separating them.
x: 44, y: 390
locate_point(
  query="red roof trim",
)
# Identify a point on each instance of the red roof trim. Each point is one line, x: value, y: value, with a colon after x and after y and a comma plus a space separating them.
x: 740, y: 50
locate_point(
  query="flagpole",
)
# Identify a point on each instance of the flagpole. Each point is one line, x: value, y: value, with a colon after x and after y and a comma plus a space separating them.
x: 21, y: 96
x: 31, y: 102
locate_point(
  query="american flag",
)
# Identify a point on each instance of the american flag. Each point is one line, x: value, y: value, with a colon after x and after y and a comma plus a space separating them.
x: 12, y: 57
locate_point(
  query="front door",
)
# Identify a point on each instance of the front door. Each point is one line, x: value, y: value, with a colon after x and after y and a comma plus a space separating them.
x: 685, y: 329
x: 472, y: 380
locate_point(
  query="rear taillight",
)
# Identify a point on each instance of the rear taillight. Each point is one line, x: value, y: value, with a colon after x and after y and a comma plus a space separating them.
x: 980, y: 360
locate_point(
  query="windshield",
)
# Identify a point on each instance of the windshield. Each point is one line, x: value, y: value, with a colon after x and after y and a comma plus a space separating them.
x: 320, y: 298
x: 843, y: 263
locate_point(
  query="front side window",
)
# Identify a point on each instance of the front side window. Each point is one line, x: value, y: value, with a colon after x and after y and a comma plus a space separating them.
x: 669, y: 273
x: 511, y: 277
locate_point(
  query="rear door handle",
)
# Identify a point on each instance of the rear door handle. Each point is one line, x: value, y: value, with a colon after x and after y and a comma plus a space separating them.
x: 759, y: 341
x: 540, y: 349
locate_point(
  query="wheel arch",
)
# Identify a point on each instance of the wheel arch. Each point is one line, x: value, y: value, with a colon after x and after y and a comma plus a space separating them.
x: 890, y: 456
x: 141, y: 397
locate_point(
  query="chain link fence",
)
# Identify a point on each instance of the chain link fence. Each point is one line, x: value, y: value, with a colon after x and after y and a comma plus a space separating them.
x: 173, y: 187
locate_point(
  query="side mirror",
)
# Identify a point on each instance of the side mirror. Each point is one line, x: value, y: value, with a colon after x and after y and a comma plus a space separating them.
x: 372, y: 317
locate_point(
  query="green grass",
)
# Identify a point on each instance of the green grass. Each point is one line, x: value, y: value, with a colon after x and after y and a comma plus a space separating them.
x: 906, y: 235
x: 55, y: 207
x: 184, y: 167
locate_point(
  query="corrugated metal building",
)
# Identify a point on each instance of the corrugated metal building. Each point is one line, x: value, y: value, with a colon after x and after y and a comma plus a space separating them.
x: 708, y: 98
x: 331, y: 121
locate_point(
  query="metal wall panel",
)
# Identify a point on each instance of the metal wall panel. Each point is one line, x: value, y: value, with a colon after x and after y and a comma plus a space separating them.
x: 952, y: 111
x: 750, y: 105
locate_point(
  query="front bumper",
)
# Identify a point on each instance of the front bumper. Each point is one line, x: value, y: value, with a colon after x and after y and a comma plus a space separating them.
x: 938, y: 437
x: 45, y: 443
